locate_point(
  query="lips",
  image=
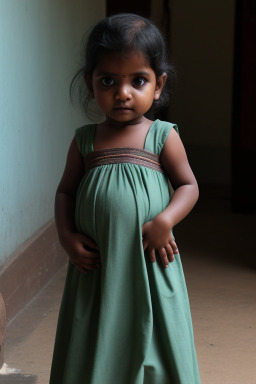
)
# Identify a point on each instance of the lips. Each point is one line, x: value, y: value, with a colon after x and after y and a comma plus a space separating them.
x: 122, y: 109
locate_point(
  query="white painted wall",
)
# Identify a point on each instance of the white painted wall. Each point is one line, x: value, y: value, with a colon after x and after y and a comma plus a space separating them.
x: 39, y: 52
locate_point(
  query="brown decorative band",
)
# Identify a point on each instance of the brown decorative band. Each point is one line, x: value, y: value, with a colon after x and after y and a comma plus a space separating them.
x: 122, y: 155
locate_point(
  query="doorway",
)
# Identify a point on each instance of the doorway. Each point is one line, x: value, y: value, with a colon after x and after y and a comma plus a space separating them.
x: 244, y: 105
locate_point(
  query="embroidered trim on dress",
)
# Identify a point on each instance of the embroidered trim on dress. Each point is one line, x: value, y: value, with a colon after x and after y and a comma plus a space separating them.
x: 122, y: 155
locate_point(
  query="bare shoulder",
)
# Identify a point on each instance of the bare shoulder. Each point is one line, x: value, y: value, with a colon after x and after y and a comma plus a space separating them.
x: 175, y: 162
x: 173, y: 148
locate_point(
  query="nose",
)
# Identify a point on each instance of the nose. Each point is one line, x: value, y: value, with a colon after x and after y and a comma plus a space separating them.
x: 123, y: 93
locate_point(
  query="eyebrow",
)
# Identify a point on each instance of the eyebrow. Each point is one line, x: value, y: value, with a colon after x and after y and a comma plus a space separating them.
x: 140, y: 73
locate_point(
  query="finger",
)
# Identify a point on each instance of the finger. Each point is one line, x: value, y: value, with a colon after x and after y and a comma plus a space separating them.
x: 82, y: 263
x: 87, y: 241
x: 169, y: 252
x: 164, y: 258
x: 90, y: 246
x: 90, y: 256
x: 89, y: 267
x: 174, y: 246
x: 81, y: 269
x: 85, y: 251
x: 152, y: 254
x: 91, y: 262
x: 88, y: 260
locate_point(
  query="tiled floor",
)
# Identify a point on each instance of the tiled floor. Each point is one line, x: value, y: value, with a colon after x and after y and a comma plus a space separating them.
x: 217, y: 252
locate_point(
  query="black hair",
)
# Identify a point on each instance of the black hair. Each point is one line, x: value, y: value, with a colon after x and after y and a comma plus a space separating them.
x: 120, y: 33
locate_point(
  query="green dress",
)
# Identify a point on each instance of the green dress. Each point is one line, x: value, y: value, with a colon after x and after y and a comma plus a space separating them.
x: 128, y: 322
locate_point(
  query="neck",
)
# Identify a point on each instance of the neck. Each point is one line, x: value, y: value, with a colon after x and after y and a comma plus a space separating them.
x: 123, y: 124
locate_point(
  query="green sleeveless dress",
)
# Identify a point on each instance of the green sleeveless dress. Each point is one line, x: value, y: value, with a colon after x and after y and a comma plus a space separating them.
x: 128, y: 322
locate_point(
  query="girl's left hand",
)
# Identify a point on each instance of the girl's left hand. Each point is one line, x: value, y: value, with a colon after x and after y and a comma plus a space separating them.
x: 157, y: 236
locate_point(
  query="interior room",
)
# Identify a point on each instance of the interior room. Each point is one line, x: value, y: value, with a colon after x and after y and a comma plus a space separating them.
x: 212, y: 46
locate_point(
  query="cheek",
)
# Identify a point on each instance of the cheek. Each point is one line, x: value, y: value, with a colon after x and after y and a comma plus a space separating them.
x: 148, y: 97
x: 102, y: 99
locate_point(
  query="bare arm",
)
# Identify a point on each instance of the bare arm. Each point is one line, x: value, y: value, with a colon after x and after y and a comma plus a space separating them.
x: 175, y: 163
x: 66, y: 191
x: 156, y: 233
x: 74, y: 243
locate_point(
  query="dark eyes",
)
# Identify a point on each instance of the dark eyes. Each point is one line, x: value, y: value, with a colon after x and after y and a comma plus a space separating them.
x: 107, y: 81
x: 137, y: 82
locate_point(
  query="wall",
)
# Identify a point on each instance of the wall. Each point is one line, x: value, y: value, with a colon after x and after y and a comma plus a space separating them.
x: 202, y: 49
x: 39, y: 42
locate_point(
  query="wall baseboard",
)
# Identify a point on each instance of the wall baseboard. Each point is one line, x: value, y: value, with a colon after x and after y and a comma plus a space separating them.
x: 29, y: 268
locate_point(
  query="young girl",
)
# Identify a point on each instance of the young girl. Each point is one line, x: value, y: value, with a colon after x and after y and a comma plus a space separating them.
x: 125, y: 316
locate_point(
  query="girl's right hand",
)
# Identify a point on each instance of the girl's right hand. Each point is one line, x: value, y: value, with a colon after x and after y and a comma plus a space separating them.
x: 82, y: 251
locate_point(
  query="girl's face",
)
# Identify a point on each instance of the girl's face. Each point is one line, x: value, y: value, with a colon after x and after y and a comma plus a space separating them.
x: 124, y: 86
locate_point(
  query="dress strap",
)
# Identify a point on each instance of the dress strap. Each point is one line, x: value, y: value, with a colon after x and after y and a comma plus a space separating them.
x: 85, y: 138
x: 157, y: 136
x: 122, y: 155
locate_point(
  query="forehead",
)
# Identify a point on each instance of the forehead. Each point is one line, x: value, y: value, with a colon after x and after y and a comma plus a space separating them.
x: 125, y: 62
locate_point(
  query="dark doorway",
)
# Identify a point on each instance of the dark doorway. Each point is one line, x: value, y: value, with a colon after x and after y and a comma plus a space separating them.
x: 141, y: 7
x: 244, y: 109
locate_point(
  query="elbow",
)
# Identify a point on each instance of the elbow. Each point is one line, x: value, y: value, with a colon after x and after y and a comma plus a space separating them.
x: 196, y: 191
x: 68, y: 193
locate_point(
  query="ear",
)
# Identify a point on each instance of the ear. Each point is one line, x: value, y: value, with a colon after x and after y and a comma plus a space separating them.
x: 160, y: 81
x: 88, y: 82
